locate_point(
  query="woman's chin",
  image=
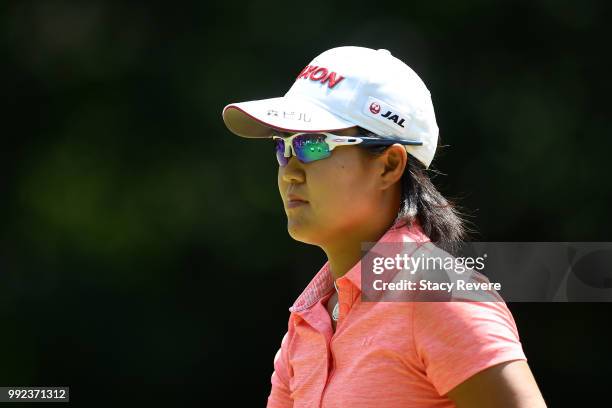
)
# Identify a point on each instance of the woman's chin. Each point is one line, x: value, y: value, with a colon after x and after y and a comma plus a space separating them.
x: 301, y: 232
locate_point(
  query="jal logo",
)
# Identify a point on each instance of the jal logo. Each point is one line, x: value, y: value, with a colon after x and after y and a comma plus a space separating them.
x: 375, y: 108
x: 320, y: 74
x: 395, y: 118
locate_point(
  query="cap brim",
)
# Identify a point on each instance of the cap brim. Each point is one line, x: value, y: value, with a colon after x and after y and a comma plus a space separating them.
x: 259, y: 118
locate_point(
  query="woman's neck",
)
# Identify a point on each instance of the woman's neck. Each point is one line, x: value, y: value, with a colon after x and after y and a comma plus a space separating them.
x: 347, y: 251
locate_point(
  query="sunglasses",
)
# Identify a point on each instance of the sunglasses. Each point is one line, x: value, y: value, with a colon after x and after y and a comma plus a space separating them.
x: 309, y: 147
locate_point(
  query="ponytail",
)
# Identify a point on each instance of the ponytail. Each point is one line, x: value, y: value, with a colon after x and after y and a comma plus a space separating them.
x: 439, y: 217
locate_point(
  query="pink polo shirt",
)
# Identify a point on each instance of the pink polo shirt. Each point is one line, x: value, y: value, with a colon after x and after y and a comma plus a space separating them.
x: 385, y: 354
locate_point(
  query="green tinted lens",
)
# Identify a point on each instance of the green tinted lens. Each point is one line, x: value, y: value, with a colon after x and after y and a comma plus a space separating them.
x: 311, y: 147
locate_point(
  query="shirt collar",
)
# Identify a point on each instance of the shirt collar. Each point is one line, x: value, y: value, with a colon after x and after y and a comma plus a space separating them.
x: 323, y: 281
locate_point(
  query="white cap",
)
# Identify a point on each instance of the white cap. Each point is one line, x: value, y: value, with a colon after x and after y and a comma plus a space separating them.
x: 345, y: 87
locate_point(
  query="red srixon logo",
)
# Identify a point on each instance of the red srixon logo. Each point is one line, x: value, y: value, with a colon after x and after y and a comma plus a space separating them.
x: 375, y: 108
x: 320, y: 74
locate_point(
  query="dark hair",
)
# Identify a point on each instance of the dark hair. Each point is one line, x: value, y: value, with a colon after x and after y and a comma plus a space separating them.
x: 440, y: 218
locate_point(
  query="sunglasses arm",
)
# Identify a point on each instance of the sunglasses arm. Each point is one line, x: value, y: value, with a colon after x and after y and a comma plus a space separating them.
x: 334, y: 140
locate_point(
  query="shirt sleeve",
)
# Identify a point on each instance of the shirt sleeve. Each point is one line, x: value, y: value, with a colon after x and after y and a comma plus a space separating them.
x: 280, y: 395
x: 456, y: 340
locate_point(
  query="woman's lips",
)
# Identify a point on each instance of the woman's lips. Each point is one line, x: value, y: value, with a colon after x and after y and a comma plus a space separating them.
x: 294, y: 200
x: 296, y: 203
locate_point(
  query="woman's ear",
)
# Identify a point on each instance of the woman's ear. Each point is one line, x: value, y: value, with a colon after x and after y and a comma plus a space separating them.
x: 393, y: 161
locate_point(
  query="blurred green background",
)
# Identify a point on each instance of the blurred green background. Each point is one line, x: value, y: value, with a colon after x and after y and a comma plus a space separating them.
x: 144, y: 250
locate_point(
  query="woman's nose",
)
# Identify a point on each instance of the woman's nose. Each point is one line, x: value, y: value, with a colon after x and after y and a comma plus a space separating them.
x: 293, y: 172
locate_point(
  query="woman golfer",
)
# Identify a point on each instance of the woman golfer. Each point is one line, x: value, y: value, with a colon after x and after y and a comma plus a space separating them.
x: 353, y: 138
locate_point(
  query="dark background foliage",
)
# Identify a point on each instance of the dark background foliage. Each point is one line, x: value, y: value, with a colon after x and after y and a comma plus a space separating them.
x: 144, y: 248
